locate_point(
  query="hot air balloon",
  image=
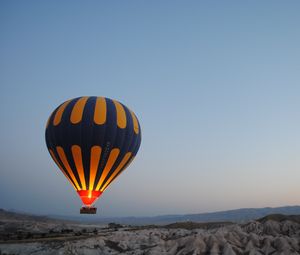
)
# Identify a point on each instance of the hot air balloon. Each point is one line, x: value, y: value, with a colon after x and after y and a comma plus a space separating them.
x: 92, y: 140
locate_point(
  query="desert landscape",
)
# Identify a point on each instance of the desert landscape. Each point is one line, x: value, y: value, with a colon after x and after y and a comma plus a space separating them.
x: 27, y: 234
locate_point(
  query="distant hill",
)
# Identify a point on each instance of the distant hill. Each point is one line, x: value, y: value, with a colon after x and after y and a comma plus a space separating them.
x: 6, y: 216
x: 238, y: 215
x: 280, y: 218
x: 14, y: 216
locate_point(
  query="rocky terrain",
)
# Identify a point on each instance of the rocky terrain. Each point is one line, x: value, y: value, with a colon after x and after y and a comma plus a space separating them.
x: 274, y: 234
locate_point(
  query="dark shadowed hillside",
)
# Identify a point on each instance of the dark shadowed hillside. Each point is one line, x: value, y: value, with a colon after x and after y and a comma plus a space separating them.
x: 14, y: 216
x: 280, y: 218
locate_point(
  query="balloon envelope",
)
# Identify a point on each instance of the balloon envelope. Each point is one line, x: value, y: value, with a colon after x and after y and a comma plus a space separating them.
x: 92, y: 140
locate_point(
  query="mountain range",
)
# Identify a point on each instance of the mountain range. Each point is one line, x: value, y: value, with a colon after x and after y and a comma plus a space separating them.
x: 237, y: 215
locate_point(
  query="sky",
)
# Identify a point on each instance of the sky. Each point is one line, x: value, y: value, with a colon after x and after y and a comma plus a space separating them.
x: 214, y: 84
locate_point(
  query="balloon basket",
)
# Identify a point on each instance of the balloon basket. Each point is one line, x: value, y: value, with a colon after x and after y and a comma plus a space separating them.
x: 88, y: 210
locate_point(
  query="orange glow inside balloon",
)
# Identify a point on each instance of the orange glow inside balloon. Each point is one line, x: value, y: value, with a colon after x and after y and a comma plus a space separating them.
x: 88, y: 197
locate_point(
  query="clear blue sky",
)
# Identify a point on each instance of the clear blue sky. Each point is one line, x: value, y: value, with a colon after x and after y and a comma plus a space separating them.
x: 215, y: 85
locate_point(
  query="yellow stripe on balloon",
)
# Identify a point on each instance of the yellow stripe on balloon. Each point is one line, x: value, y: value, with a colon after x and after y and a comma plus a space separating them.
x: 77, y: 156
x: 95, y: 158
x: 110, y: 162
x: 118, y: 169
x: 77, y: 112
x: 121, y: 115
x: 60, y: 167
x: 64, y: 160
x: 135, y: 122
x: 100, y: 111
x: 59, y: 113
